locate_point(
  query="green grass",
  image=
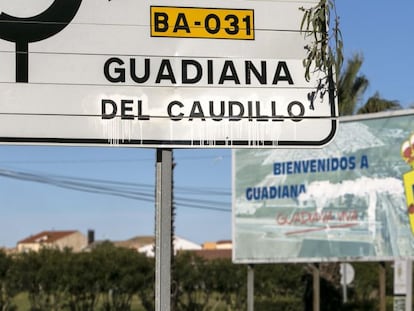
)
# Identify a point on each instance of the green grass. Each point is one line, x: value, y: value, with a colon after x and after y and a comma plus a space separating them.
x: 21, y: 301
x: 281, y: 303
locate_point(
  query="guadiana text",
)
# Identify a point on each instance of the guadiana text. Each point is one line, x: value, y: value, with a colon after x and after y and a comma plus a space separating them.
x: 201, y: 73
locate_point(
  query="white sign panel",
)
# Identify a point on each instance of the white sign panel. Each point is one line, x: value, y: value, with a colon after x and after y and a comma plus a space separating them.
x: 400, y: 277
x: 403, y: 279
x: 159, y: 73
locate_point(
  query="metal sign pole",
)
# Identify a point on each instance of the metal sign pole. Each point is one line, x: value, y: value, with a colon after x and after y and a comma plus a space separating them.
x: 163, y: 205
x: 344, y: 282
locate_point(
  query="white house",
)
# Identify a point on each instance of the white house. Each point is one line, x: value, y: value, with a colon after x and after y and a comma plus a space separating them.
x: 72, y: 239
x: 179, y: 244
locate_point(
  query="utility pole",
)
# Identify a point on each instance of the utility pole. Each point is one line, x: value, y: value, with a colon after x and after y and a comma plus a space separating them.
x: 163, y: 206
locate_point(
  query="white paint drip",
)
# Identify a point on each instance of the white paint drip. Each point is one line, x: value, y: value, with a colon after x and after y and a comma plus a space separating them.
x: 117, y: 131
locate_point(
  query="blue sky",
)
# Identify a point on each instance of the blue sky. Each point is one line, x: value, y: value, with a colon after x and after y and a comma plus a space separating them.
x: 381, y: 30
x: 29, y: 207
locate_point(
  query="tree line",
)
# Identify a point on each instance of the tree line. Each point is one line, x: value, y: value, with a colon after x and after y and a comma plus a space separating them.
x: 64, y: 280
x: 110, y: 278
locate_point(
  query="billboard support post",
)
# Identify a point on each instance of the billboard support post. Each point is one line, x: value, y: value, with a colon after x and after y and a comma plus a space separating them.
x: 316, y: 286
x: 382, y: 295
x: 409, y: 298
x: 250, y: 288
x: 163, y: 205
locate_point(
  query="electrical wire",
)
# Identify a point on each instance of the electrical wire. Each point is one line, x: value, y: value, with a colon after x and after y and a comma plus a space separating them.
x: 134, y: 191
x: 192, y: 158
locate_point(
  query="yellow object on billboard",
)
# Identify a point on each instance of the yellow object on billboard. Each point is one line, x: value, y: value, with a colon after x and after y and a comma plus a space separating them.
x: 407, y: 153
x: 409, y: 194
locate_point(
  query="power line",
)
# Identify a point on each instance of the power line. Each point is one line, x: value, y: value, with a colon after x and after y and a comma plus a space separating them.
x: 192, y: 158
x: 188, y: 190
x: 121, y: 189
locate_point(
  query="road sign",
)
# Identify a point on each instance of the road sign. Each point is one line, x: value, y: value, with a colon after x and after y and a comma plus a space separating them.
x: 160, y: 74
x: 347, y: 273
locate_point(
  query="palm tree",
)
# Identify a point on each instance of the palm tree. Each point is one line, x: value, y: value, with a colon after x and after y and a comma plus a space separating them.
x: 351, y: 88
x: 376, y: 104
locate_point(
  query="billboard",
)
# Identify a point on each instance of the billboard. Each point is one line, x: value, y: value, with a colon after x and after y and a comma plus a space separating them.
x: 160, y: 73
x: 352, y: 200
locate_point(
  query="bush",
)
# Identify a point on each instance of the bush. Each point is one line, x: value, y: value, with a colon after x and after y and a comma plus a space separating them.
x: 279, y: 304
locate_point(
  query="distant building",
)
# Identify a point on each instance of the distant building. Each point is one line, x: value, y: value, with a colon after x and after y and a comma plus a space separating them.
x: 215, y: 250
x: 223, y: 244
x: 74, y: 240
x: 209, y: 245
x: 136, y: 242
x: 149, y: 248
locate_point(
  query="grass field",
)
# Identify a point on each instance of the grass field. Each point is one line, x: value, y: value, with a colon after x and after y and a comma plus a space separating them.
x: 22, y: 303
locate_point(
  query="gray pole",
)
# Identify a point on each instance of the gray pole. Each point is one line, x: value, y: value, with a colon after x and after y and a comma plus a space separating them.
x: 409, y: 298
x: 250, y: 288
x: 316, y: 287
x: 163, y: 203
x: 344, y: 284
x: 382, y: 294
